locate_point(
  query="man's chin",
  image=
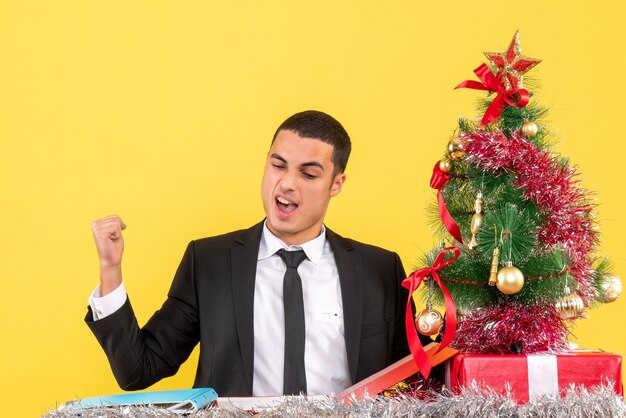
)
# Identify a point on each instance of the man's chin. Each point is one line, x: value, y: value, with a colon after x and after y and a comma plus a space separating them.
x: 281, y: 227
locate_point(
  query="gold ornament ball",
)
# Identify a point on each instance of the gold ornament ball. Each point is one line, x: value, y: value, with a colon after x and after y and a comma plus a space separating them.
x: 529, y: 129
x: 455, y: 148
x: 428, y: 322
x: 610, y: 288
x: 444, y: 165
x: 510, y: 280
x: 571, y: 306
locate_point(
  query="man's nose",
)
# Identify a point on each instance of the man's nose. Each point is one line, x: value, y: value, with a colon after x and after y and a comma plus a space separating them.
x: 289, y: 180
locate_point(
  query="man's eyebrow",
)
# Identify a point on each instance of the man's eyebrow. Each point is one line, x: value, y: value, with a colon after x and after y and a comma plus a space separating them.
x: 278, y: 157
x: 307, y: 164
x: 312, y: 164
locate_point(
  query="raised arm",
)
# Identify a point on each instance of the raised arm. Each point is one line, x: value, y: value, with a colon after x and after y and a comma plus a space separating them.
x: 107, y: 234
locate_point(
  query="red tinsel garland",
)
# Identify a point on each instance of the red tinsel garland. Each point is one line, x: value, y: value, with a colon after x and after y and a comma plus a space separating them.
x: 512, y: 327
x: 552, y: 185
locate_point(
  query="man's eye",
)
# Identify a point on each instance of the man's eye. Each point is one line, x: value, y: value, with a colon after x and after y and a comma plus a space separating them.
x: 309, y: 176
x: 279, y: 166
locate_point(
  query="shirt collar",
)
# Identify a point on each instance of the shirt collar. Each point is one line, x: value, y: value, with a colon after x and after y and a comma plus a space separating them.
x: 270, y: 243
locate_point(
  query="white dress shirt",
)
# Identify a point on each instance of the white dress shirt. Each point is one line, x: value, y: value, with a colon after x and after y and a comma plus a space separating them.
x: 325, y: 356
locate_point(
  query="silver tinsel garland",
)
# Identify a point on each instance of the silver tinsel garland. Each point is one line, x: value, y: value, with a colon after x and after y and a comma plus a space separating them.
x: 473, y: 402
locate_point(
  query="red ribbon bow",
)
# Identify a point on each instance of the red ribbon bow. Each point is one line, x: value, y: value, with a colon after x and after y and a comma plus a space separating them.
x: 513, y: 97
x: 412, y: 283
x: 438, y: 180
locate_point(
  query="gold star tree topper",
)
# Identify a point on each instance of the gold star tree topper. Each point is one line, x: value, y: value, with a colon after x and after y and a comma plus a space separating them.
x: 510, y: 65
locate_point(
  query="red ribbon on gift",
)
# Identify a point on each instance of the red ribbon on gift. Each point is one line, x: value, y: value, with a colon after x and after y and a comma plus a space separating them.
x: 513, y: 97
x: 438, y: 180
x: 412, y: 283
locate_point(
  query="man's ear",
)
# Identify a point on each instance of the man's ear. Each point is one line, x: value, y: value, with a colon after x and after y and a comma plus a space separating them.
x: 338, y: 181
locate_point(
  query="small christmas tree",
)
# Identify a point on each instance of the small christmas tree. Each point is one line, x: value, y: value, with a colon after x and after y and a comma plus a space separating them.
x: 524, y: 227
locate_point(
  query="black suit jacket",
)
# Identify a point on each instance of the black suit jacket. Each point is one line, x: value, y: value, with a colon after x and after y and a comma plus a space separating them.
x: 211, y: 302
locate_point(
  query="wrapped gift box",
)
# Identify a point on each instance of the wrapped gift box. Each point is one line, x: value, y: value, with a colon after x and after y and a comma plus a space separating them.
x: 532, y: 375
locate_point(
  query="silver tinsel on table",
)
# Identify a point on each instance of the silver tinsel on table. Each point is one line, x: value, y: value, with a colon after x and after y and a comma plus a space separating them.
x: 600, y: 402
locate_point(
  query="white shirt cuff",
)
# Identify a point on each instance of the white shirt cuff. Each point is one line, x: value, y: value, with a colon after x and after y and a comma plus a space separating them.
x: 103, y: 306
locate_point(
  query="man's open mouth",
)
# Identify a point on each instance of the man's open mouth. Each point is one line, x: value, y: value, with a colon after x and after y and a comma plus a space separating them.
x: 285, y: 205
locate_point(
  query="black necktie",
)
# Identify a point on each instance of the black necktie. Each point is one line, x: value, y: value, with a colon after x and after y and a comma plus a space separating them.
x: 294, y: 377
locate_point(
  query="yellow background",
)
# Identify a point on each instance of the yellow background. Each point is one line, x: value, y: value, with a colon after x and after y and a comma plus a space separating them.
x: 162, y: 112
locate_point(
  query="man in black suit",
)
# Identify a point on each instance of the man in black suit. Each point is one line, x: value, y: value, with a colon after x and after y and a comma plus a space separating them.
x: 227, y: 293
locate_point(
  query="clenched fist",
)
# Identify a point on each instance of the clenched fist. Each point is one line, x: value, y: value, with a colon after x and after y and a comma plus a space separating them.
x: 107, y: 233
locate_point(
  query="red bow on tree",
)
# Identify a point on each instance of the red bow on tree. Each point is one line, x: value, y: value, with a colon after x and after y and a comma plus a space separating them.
x: 437, y: 181
x: 517, y: 97
x: 412, y: 283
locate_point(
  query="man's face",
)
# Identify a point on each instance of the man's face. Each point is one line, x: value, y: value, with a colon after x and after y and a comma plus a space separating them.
x: 298, y: 183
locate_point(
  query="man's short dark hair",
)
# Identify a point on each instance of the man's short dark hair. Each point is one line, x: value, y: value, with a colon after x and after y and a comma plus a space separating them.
x: 318, y: 125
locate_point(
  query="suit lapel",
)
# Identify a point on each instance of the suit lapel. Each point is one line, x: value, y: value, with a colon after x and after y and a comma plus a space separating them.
x: 350, y: 271
x: 243, y: 267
